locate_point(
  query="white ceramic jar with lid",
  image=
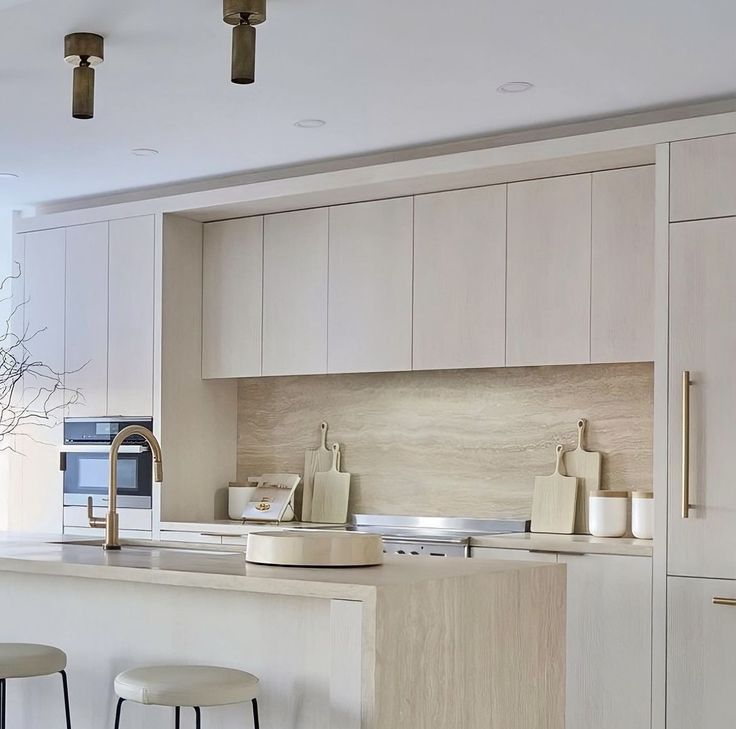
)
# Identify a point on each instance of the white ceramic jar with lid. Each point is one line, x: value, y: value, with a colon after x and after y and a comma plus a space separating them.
x: 642, y: 514
x: 608, y: 513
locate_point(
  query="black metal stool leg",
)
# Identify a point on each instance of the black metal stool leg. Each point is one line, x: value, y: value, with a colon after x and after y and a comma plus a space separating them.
x: 177, y: 717
x: 117, y: 713
x: 65, y: 684
x: 255, y: 714
x: 198, y: 717
x: 3, y: 689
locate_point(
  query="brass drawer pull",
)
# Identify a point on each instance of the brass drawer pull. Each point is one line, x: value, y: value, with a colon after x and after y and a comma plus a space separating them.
x: 686, y: 382
x: 729, y: 601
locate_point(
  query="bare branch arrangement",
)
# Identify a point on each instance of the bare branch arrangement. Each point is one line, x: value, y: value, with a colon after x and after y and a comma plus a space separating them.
x: 32, y: 393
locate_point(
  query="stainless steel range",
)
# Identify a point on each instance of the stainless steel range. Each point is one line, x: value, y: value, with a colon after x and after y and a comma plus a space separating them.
x: 429, y: 535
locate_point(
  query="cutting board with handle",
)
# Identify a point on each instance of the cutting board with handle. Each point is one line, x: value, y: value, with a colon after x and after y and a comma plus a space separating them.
x: 553, y: 505
x: 331, y: 493
x: 315, y: 459
x: 586, y: 466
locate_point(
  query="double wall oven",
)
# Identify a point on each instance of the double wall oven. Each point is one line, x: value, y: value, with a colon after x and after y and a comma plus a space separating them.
x: 85, y: 458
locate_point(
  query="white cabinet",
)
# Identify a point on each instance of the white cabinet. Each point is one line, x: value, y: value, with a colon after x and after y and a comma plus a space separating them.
x: 131, y: 316
x: 521, y: 555
x: 460, y: 279
x: 622, y: 287
x: 86, y: 317
x: 295, y: 293
x: 609, y: 603
x: 701, y: 660
x: 703, y: 341
x: 370, y: 287
x: 548, y: 281
x: 703, y: 178
x: 232, y: 298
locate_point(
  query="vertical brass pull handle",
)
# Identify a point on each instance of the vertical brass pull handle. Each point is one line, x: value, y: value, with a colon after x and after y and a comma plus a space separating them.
x: 730, y: 602
x: 686, y: 444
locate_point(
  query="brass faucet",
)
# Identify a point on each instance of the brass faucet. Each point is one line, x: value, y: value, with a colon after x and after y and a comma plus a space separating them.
x: 110, y: 522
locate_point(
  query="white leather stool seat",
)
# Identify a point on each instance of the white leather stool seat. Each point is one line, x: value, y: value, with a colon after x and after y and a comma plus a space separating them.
x: 24, y: 660
x: 186, y: 686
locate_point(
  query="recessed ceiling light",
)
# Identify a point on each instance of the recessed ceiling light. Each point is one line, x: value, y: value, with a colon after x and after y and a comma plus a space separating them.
x: 310, y: 123
x: 514, y: 87
x: 144, y: 152
x: 8, y: 176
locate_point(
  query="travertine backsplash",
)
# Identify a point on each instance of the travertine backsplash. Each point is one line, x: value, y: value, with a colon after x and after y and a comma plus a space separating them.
x: 463, y: 443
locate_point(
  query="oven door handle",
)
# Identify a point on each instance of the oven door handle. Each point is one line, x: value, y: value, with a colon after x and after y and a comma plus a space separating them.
x: 103, y: 449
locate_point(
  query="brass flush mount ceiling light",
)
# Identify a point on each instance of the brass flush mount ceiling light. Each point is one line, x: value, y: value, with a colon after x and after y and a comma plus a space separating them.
x: 244, y: 15
x: 84, y: 50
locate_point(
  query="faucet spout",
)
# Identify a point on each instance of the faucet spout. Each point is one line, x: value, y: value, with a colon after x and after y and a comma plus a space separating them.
x: 112, y: 531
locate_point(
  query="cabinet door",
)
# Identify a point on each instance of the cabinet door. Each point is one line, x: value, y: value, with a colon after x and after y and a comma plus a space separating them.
x: 609, y: 603
x: 703, y: 341
x: 130, y: 338
x: 460, y: 279
x: 548, y: 282
x: 295, y: 293
x: 39, y: 503
x: 701, y: 660
x: 86, y: 317
x: 622, y: 288
x: 232, y: 303
x: 370, y: 287
x: 703, y: 178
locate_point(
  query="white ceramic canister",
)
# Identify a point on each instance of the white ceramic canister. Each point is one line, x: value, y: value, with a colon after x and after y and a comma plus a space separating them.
x: 237, y: 497
x: 608, y: 513
x: 642, y: 514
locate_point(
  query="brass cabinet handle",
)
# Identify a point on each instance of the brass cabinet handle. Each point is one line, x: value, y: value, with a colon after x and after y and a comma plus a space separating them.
x: 731, y: 602
x: 686, y: 382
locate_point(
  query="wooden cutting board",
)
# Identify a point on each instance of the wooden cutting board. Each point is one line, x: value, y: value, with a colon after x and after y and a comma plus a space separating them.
x: 331, y: 493
x: 586, y: 466
x: 553, y: 506
x: 315, y: 459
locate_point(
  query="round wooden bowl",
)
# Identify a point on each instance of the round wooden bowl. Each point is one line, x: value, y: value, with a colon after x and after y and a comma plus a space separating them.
x: 314, y: 549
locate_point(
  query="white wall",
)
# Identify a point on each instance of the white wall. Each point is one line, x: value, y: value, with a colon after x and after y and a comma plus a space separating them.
x: 6, y: 238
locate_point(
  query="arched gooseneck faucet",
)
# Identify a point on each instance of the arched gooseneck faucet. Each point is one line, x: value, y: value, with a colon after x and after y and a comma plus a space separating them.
x: 110, y: 522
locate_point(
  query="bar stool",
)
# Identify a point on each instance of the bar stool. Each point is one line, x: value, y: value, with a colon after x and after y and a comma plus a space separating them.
x: 27, y: 660
x: 188, y: 686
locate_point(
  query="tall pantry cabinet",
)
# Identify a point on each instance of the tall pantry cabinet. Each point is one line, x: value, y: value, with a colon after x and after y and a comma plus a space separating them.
x: 701, y: 549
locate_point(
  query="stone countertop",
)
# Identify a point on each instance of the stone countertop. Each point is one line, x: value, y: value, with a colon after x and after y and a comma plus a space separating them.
x: 159, y: 563
x: 577, y: 543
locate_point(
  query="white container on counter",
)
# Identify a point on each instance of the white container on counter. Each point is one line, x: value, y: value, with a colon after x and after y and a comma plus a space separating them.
x: 642, y: 514
x: 608, y: 513
x: 237, y: 497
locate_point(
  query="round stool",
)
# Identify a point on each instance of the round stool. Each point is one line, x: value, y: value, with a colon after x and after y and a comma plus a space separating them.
x: 189, y: 686
x: 26, y: 660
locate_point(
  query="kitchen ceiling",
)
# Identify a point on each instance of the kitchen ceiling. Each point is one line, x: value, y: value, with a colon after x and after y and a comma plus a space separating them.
x: 382, y: 75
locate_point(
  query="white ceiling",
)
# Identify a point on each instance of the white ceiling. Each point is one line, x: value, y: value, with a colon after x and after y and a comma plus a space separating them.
x: 383, y: 74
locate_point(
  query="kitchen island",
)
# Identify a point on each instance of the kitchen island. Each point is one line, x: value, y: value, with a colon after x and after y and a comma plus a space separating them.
x: 416, y: 643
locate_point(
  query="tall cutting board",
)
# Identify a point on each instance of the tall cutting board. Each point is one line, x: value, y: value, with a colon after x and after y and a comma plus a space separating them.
x: 586, y: 466
x: 315, y: 460
x: 553, y: 505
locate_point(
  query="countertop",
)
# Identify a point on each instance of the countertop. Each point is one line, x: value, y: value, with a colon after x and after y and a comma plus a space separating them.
x: 577, y: 543
x: 159, y: 563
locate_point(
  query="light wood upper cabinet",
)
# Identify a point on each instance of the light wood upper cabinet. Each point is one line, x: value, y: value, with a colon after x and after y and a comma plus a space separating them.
x: 703, y: 178
x: 295, y: 249
x: 703, y: 341
x: 131, y: 316
x: 609, y: 633
x: 548, y: 283
x: 86, y: 317
x: 232, y: 298
x: 701, y: 661
x: 622, y: 293
x: 370, y: 287
x: 460, y: 279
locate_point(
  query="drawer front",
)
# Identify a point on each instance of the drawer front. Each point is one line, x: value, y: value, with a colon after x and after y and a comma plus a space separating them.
x: 192, y: 537
x: 701, y: 659
x: 703, y: 178
x: 522, y: 555
x: 76, y: 516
